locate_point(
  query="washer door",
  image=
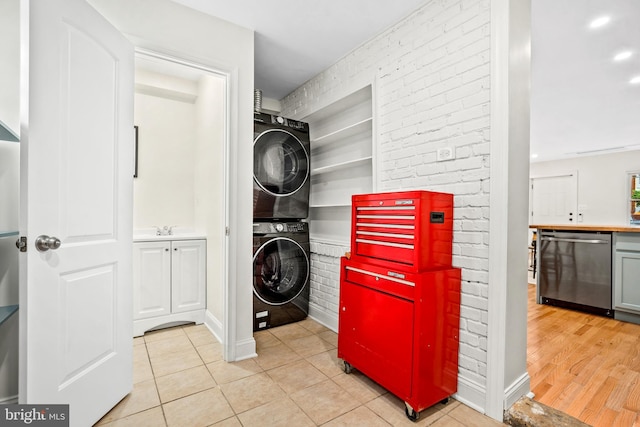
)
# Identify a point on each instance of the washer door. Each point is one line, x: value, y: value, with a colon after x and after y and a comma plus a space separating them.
x: 281, y: 270
x: 280, y: 162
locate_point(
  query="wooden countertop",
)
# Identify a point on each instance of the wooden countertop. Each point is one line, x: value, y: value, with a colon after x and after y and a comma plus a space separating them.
x: 616, y: 228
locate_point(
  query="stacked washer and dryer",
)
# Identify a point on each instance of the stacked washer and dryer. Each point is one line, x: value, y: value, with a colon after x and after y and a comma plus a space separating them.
x: 281, y: 251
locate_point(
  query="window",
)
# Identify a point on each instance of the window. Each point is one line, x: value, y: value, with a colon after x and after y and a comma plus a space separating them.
x: 634, y: 198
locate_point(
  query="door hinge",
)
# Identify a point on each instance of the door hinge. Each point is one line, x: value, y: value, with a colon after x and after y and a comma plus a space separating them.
x: 226, y: 231
x: 21, y: 244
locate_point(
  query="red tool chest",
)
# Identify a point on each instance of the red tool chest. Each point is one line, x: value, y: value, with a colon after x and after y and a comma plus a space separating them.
x: 399, y: 312
x: 411, y: 228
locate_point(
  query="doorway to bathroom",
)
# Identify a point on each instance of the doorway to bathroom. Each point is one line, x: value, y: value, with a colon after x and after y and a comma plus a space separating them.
x: 181, y: 183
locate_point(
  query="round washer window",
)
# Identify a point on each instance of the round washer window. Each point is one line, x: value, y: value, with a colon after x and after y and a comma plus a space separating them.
x: 281, y: 270
x: 280, y: 162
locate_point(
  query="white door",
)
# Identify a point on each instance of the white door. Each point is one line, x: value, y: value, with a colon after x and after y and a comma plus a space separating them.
x: 76, y: 184
x: 151, y: 279
x: 188, y: 275
x: 554, y: 199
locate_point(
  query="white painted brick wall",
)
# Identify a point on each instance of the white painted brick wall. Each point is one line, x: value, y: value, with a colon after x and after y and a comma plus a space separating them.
x: 431, y: 75
x: 325, y: 282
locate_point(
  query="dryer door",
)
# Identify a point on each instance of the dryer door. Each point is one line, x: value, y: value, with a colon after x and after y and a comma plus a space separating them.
x: 280, y: 162
x: 281, y: 271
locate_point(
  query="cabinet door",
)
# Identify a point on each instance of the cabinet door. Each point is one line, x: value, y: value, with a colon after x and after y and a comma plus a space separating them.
x: 376, y: 336
x: 151, y: 279
x: 627, y: 288
x: 188, y: 275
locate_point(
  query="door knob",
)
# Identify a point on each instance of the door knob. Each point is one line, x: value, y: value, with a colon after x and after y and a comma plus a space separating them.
x: 44, y: 243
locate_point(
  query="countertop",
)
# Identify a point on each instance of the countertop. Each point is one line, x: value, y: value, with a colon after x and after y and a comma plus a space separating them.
x: 572, y: 227
x: 178, y: 233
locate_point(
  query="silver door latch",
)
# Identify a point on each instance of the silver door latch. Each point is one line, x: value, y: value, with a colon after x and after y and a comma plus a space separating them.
x: 21, y: 244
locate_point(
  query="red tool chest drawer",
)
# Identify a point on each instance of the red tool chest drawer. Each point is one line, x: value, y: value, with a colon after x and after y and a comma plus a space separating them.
x: 411, y: 228
x: 401, y: 329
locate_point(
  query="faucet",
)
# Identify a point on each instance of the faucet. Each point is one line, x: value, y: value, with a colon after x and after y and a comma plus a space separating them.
x: 166, y: 230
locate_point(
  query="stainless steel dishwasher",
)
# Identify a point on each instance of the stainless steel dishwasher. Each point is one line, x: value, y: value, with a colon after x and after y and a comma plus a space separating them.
x: 575, y: 270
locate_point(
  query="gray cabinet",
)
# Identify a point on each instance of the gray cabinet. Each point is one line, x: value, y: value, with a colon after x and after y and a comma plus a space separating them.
x: 626, y: 276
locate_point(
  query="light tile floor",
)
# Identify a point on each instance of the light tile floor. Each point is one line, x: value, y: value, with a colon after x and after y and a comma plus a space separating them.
x: 297, y: 380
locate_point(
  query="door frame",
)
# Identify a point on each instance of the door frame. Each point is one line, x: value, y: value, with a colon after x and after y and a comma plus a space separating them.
x: 224, y: 331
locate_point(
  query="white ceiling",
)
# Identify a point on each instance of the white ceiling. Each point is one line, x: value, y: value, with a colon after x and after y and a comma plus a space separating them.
x: 581, y: 101
x: 297, y: 39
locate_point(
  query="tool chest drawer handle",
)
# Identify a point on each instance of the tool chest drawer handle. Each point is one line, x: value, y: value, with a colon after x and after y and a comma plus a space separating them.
x: 411, y: 217
x: 394, y: 235
x: 385, y: 208
x: 380, y: 276
x: 380, y: 225
x: 374, y: 242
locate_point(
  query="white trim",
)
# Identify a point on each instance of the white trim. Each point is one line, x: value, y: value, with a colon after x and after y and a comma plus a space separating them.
x: 510, y: 71
x: 214, y: 325
x: 498, y: 209
x: 229, y: 294
x: 152, y: 323
x: 326, y: 319
x: 245, y: 349
x: 516, y: 390
x: 471, y: 394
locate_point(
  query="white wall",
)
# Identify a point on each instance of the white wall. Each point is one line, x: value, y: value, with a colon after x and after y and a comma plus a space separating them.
x: 10, y: 69
x: 602, y: 184
x: 171, y: 29
x: 164, y: 192
x: 431, y: 74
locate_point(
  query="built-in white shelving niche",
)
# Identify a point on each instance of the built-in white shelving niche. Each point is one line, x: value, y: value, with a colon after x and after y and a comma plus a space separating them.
x: 342, y: 163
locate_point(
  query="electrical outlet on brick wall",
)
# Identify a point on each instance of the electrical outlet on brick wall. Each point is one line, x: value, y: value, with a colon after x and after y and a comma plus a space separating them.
x: 445, y: 153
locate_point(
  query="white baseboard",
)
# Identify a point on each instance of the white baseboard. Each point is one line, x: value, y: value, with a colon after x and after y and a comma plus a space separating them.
x: 214, y: 325
x: 520, y: 387
x: 324, y: 318
x: 143, y: 325
x: 246, y: 349
x: 471, y: 394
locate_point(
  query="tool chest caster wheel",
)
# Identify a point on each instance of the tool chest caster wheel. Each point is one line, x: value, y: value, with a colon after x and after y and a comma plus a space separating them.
x: 411, y: 414
x: 445, y: 401
x: 347, y: 367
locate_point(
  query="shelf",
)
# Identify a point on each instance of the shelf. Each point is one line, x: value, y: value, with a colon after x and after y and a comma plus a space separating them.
x: 336, y: 166
x: 8, y: 233
x: 6, y: 312
x: 345, y: 132
x: 6, y: 134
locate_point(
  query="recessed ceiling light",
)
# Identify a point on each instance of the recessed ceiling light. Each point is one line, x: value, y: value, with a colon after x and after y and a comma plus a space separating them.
x: 622, y: 55
x: 635, y: 80
x: 599, y: 22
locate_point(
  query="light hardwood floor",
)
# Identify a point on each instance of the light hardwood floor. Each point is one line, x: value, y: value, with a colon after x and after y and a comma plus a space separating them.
x: 584, y: 365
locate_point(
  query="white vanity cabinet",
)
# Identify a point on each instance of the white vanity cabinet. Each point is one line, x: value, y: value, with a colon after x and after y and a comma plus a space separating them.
x: 169, y: 283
